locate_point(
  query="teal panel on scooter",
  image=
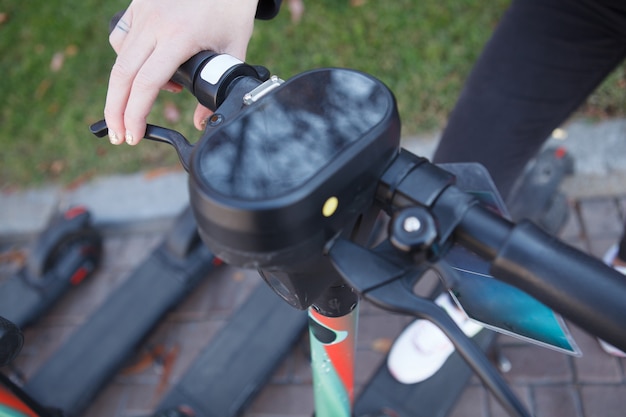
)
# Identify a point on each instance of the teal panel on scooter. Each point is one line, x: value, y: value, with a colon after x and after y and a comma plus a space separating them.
x: 504, y: 308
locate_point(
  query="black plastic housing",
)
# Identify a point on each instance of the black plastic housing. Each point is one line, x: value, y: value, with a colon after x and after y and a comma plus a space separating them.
x: 262, y: 186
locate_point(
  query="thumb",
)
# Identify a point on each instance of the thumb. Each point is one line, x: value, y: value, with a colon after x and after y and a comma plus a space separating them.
x: 200, y: 116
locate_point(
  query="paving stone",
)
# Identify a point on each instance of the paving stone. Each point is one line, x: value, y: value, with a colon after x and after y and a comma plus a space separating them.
x: 552, y: 383
x: 604, y: 400
x: 472, y: 403
x: 295, y: 368
x: 601, y: 217
x: 142, y: 399
x: 110, y: 402
x: 523, y: 394
x: 533, y: 364
x: 560, y: 400
x: 368, y: 362
x: 621, y: 202
x: 595, y: 366
x: 572, y: 228
x: 598, y: 247
x: 283, y: 400
x: 379, y: 327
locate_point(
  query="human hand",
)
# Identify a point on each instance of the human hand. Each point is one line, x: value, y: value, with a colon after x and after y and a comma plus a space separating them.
x: 152, y: 39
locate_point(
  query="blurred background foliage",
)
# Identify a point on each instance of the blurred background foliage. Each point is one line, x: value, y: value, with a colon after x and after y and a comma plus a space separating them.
x: 55, y: 61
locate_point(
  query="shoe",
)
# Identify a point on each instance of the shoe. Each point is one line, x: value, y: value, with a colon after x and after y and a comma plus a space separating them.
x: 422, y: 348
x: 608, y: 259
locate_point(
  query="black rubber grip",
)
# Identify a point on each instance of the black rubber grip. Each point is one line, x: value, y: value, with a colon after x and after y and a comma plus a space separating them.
x: 580, y: 287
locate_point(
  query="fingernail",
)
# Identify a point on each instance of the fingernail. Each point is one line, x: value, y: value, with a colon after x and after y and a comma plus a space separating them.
x: 113, y: 138
x: 129, y: 138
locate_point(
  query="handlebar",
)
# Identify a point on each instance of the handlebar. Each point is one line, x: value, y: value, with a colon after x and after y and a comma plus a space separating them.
x: 208, y: 76
x: 571, y: 282
x: 208, y: 83
x: 580, y: 287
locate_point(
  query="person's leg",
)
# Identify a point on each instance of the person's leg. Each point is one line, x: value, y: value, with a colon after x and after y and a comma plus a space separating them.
x: 543, y: 60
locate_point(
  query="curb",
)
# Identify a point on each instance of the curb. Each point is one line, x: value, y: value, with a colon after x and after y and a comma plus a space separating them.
x: 116, y: 203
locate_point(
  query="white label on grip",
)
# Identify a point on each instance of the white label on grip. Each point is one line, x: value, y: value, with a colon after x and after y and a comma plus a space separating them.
x: 213, y: 71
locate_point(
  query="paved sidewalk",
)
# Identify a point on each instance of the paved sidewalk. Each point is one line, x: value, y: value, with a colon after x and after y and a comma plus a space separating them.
x: 135, y: 216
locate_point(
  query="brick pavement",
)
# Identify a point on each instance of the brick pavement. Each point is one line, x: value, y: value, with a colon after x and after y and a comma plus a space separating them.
x: 550, y: 383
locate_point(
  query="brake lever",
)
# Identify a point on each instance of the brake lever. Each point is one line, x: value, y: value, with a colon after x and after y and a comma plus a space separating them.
x: 386, y: 280
x: 157, y: 134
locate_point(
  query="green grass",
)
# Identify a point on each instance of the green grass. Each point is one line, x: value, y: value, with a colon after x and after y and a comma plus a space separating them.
x: 422, y: 49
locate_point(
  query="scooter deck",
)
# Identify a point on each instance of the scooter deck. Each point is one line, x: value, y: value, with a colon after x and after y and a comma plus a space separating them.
x: 434, y: 397
x: 71, y: 378
x: 235, y: 365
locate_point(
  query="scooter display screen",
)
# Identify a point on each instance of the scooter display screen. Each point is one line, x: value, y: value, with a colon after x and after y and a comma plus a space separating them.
x: 292, y: 134
x: 270, y: 187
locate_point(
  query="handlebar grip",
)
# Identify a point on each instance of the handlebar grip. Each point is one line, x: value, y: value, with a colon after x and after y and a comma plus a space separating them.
x: 209, y: 75
x: 582, y: 288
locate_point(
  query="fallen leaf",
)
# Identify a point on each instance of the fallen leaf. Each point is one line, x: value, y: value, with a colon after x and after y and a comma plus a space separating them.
x: 80, y: 180
x: 382, y: 345
x: 71, y: 50
x: 43, y: 86
x: 13, y: 256
x: 4, y: 17
x: 238, y: 276
x: 53, y: 108
x: 56, y: 167
x: 145, y: 360
x: 168, y: 362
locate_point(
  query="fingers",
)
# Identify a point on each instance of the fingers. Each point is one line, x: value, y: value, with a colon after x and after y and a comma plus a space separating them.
x: 200, y: 116
x: 123, y: 74
x: 120, y: 79
x: 120, y: 28
x: 153, y: 74
x: 138, y: 74
x: 152, y: 38
x: 172, y: 87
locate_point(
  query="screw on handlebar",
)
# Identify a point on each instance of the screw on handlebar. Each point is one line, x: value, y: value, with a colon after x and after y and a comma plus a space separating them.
x: 413, y: 230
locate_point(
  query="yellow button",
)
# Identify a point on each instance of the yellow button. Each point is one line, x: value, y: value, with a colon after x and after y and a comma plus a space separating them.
x: 330, y: 206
